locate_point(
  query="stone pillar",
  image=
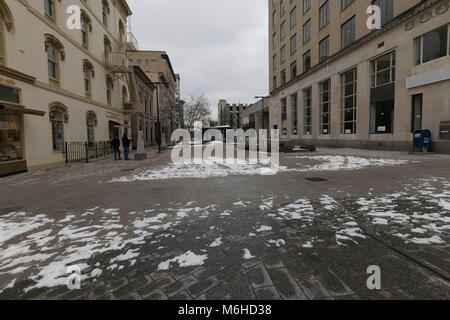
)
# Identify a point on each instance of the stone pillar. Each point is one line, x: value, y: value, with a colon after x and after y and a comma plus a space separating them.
x: 141, y: 154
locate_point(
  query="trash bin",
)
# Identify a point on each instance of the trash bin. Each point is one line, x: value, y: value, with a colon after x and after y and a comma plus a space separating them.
x: 422, y: 140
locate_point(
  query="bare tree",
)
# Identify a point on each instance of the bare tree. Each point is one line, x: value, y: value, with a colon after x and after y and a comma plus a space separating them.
x: 197, y: 109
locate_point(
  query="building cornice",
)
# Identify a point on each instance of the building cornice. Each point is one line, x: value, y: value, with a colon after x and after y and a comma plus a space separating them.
x: 17, y: 75
x: 422, y: 6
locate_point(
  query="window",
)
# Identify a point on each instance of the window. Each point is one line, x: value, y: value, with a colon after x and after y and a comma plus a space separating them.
x: 348, y: 102
x: 346, y: 3
x: 88, y: 74
x: 307, y: 31
x: 307, y: 111
x: 416, y: 121
x: 58, y: 130
x: 387, y: 10
x: 284, y: 116
x: 90, y: 123
x: 294, y: 115
x: 324, y: 14
x: 325, y: 107
x: 84, y: 32
x: 382, y: 94
x: 106, y: 48
x: 10, y: 138
x: 307, y: 61
x: 49, y: 8
x: 283, y: 7
x: 9, y: 94
x: 293, y: 70
x: 383, y: 70
x: 324, y: 48
x: 283, y: 77
x: 274, y: 19
x: 293, y: 17
x: 274, y: 62
x: 109, y: 88
x: 283, y: 30
x: 52, y: 58
x: 274, y: 82
x: 293, y: 44
x: 274, y: 41
x: 432, y: 45
x: 283, y: 54
x: 348, y: 32
x: 306, y: 6
x: 105, y: 12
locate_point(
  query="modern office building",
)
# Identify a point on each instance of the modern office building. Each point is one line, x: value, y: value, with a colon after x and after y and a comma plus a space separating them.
x: 255, y: 116
x: 59, y: 84
x: 337, y: 81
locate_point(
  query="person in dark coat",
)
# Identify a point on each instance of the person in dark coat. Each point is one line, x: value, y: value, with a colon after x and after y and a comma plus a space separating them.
x: 126, y: 146
x: 115, y: 143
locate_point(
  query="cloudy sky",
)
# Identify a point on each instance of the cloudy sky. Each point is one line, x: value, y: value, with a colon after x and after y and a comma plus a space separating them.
x: 219, y: 47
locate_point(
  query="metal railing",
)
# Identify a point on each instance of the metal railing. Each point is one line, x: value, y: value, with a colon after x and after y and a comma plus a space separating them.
x: 83, y: 151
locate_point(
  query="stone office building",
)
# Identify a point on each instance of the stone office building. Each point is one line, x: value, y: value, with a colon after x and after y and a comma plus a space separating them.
x: 230, y: 114
x: 335, y: 82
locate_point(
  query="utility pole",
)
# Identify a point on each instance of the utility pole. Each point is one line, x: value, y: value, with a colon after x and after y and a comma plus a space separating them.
x: 262, y: 110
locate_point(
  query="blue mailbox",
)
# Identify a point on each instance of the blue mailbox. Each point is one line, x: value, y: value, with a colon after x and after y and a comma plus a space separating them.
x: 422, y: 140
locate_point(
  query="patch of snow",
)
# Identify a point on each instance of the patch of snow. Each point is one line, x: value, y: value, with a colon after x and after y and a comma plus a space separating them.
x: 187, y: 259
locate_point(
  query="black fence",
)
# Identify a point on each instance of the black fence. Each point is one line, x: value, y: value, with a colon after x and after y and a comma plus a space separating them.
x: 84, y: 151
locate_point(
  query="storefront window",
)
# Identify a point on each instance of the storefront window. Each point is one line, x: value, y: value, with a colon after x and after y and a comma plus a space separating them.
x: 10, y: 137
x: 58, y: 131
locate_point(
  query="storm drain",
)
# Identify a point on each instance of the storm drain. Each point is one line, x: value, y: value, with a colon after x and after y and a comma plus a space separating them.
x: 316, y: 179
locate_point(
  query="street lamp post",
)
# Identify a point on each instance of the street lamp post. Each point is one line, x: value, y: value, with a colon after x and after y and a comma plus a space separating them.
x: 262, y: 110
x: 158, y: 120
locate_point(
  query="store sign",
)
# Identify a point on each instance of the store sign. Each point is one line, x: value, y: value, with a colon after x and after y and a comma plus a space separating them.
x: 381, y: 129
x: 428, y: 15
x: 8, y: 81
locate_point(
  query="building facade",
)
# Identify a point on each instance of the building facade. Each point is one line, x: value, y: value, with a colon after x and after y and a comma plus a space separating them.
x: 145, y: 120
x: 158, y: 68
x: 56, y: 83
x: 229, y: 114
x: 255, y: 116
x: 336, y: 82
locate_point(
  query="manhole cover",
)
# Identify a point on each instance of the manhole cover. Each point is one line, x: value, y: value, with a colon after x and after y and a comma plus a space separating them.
x: 316, y: 179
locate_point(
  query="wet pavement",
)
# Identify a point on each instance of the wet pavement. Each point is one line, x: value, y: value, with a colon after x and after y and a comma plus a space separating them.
x: 152, y: 230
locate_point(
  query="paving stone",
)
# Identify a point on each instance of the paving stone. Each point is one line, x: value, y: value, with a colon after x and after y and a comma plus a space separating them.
x: 155, y: 295
x: 314, y: 290
x: 179, y: 285
x: 182, y: 295
x: 202, y: 286
x: 286, y: 285
x: 259, y: 277
x: 240, y: 288
x: 267, y: 293
x: 219, y: 292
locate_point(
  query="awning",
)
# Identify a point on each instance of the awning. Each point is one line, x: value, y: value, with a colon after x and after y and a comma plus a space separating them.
x: 6, y: 107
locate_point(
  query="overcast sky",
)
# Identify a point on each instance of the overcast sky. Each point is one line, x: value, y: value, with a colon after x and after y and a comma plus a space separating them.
x: 219, y: 47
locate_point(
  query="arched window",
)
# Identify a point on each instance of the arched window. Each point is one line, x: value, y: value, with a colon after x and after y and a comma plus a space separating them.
x: 105, y: 12
x: 107, y: 48
x: 124, y: 95
x: 91, y: 123
x: 58, y: 115
x: 109, y: 88
x: 146, y: 103
x: 86, y: 27
x: 121, y: 31
x: 55, y: 52
x: 141, y: 97
x: 88, y: 74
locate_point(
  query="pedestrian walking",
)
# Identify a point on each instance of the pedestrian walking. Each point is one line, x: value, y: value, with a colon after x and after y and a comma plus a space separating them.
x: 126, y: 146
x: 116, y: 147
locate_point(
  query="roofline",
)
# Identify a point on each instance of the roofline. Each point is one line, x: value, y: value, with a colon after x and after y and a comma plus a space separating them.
x: 139, y: 70
x: 126, y: 7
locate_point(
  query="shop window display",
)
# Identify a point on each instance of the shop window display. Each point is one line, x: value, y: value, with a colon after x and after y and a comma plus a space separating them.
x: 10, y: 137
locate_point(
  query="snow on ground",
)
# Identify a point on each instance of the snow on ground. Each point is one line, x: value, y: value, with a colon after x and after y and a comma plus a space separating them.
x: 36, y: 247
x: 425, y: 214
x: 217, y: 243
x: 187, y: 259
x: 248, y: 255
x: 223, y: 167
